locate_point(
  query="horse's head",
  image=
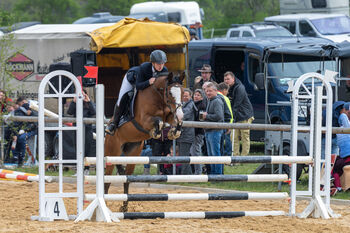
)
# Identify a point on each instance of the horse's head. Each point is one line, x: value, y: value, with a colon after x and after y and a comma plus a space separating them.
x: 172, y: 92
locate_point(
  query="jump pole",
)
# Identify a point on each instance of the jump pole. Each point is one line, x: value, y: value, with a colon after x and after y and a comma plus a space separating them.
x: 190, y: 196
x: 202, y: 160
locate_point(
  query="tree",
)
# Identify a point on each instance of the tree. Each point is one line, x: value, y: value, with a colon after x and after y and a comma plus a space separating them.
x: 53, y: 11
x: 115, y: 7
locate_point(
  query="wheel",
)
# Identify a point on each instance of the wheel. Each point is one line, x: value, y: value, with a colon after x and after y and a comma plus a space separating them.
x: 285, y: 167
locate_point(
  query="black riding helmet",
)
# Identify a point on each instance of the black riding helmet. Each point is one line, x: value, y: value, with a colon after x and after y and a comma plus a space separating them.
x: 158, y: 56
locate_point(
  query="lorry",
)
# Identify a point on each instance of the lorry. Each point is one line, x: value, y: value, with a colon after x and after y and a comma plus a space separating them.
x: 268, y: 66
x: 314, y: 6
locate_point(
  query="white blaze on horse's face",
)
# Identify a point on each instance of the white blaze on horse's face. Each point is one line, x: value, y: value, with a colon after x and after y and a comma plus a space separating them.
x: 176, y: 93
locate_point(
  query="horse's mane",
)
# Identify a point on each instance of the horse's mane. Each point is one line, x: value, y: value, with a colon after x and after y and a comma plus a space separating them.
x: 172, y: 79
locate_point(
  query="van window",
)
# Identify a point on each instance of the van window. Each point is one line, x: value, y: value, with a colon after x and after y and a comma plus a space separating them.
x: 290, y: 26
x: 253, y: 68
x: 234, y: 34
x: 174, y: 17
x: 319, y: 3
x: 305, y: 29
x: 247, y: 34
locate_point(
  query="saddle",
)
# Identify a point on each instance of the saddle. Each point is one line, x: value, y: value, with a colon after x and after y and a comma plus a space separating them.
x: 128, y: 113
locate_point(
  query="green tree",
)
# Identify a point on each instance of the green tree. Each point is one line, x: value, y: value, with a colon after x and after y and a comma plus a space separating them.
x: 53, y: 11
x: 115, y: 7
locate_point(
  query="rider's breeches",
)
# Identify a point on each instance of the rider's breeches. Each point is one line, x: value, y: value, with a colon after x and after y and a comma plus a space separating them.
x: 126, y: 87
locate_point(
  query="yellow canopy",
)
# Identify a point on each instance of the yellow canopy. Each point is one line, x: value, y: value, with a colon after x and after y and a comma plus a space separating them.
x: 134, y: 33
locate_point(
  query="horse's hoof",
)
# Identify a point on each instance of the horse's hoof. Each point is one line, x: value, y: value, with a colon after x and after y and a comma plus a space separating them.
x: 154, y: 135
x: 123, y: 209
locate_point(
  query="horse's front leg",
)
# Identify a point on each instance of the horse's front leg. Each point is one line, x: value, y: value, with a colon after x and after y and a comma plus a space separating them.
x: 108, y: 171
x: 156, y: 131
x: 175, y: 132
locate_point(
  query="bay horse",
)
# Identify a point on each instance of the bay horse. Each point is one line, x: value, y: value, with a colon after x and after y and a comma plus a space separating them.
x: 154, y: 106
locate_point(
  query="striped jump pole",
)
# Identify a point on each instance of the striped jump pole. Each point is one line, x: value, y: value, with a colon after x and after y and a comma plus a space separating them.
x: 188, y: 178
x: 190, y: 196
x: 16, y: 176
x: 194, y: 215
x: 202, y: 160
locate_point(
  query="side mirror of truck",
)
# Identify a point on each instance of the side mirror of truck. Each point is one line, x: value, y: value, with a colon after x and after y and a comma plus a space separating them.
x: 259, y: 81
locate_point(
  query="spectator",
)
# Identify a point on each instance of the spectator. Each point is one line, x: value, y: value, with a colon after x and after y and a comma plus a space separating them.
x: 89, y: 110
x: 226, y: 146
x: 147, y: 151
x: 161, y: 147
x: 242, y: 111
x: 196, y: 148
x: 240, y: 73
x: 22, y: 131
x: 206, y: 76
x: 193, y: 34
x: 3, y: 101
x: 344, y: 149
x: 9, y: 131
x: 168, y: 168
x: 337, y: 106
x: 214, y: 113
x: 187, y: 134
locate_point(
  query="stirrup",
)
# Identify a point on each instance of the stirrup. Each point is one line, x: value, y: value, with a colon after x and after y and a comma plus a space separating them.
x: 110, y: 129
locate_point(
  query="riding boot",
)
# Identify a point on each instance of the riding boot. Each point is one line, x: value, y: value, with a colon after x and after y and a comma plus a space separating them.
x: 113, y: 124
x: 117, y: 114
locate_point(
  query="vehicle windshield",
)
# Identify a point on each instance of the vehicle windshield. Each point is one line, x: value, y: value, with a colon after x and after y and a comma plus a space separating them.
x: 332, y: 26
x: 287, y: 71
x: 272, y: 32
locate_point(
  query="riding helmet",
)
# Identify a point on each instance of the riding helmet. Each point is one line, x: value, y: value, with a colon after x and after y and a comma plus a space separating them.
x: 158, y: 56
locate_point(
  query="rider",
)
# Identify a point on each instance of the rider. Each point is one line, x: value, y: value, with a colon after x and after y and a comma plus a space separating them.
x: 140, y: 76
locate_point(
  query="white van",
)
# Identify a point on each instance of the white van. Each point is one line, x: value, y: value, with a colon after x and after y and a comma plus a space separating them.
x: 184, y: 13
x: 187, y: 14
x: 335, y: 27
x: 314, y: 6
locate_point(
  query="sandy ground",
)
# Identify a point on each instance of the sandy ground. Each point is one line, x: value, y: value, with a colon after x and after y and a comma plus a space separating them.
x: 19, y: 201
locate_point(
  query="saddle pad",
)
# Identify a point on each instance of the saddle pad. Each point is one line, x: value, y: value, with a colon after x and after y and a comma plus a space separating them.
x: 129, y: 113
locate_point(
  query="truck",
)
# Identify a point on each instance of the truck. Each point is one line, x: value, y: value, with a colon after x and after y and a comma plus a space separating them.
x: 265, y: 66
x: 314, y: 6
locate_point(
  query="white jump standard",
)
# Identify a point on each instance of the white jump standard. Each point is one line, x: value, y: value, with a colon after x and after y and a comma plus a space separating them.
x: 320, y: 200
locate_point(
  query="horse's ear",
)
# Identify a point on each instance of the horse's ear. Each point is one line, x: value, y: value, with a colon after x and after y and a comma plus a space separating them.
x: 170, y: 77
x: 182, y: 76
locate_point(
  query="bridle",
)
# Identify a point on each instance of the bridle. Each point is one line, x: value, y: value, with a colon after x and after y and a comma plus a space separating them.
x: 164, y: 95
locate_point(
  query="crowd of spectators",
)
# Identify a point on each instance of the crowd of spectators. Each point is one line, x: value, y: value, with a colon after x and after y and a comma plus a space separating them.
x: 209, y: 101
x: 16, y: 133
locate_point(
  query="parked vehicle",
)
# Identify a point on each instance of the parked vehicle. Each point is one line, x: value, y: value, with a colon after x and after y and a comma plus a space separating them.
x: 100, y: 17
x: 314, y: 6
x: 335, y: 27
x: 257, y: 30
x: 265, y: 66
x: 187, y: 14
